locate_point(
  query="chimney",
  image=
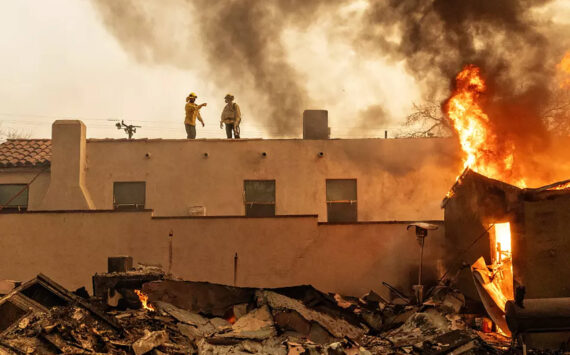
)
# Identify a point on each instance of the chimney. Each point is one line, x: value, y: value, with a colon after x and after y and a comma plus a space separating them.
x: 316, y: 124
x: 67, y: 189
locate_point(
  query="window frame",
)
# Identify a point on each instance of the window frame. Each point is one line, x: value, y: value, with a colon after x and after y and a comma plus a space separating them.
x: 349, y: 202
x: 128, y: 206
x: 253, y: 203
x: 24, y: 189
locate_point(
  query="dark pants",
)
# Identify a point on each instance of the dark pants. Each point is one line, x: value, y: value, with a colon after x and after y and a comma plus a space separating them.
x: 190, y: 131
x: 229, y: 130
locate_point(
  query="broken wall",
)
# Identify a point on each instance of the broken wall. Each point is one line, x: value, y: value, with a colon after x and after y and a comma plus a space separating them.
x: 272, y: 252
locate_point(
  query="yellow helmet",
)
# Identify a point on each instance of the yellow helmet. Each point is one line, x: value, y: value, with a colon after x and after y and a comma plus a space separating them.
x: 229, y: 96
x: 192, y: 95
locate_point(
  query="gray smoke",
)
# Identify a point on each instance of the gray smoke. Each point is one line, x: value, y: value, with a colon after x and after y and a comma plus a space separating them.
x: 242, y: 46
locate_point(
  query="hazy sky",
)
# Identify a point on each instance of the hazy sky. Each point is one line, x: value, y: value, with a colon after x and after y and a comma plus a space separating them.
x: 59, y: 61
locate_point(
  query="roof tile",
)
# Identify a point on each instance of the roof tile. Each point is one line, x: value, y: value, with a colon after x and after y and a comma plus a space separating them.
x: 25, y: 153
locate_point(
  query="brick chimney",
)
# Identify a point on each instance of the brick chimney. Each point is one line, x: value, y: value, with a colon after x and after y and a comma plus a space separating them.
x: 67, y: 189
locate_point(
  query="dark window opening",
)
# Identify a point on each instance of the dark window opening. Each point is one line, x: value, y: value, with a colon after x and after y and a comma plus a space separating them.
x: 129, y: 195
x: 259, y: 196
x: 10, y: 314
x: 341, y: 201
x: 14, y: 197
x: 44, y: 296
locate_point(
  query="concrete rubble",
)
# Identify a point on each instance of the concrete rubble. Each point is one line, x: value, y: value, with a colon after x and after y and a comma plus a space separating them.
x: 203, y: 318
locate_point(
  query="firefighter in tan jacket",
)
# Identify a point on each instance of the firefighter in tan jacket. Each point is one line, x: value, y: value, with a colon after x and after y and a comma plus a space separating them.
x: 231, y: 117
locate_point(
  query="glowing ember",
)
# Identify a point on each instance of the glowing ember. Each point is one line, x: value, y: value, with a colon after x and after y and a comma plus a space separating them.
x: 503, y: 241
x: 564, y: 68
x: 484, y: 152
x: 144, y: 301
x: 561, y: 187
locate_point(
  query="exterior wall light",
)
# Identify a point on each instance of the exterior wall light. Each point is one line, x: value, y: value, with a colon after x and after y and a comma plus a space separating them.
x: 321, y: 154
x: 206, y: 155
x: 147, y: 155
x: 264, y: 154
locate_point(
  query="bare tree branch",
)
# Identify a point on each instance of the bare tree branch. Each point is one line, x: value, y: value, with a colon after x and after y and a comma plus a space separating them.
x: 428, y: 120
x: 8, y: 133
x: 556, y: 115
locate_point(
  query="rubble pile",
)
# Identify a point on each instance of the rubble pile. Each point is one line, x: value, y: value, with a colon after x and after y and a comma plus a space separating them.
x: 184, y: 317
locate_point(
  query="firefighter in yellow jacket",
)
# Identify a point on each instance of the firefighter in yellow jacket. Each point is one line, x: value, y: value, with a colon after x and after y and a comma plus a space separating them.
x: 231, y: 117
x: 192, y: 113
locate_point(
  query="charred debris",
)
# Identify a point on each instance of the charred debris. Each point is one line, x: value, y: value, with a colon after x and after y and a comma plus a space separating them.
x: 144, y: 311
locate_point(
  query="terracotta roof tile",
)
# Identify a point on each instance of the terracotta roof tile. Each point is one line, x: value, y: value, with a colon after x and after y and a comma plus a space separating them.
x: 23, y: 153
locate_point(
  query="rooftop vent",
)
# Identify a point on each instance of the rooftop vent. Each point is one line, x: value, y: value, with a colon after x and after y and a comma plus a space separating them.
x: 316, y: 124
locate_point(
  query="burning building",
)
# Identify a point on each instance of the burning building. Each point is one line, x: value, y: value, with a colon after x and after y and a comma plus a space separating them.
x: 512, y: 236
x: 515, y: 239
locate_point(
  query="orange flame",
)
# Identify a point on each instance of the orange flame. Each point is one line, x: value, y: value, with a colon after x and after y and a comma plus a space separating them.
x: 561, y: 187
x: 144, y: 301
x: 564, y: 68
x: 232, y: 319
x: 484, y: 151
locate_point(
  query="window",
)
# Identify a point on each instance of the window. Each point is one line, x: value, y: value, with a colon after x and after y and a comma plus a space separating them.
x: 129, y: 195
x: 259, y: 198
x: 14, y: 196
x: 341, y: 201
x: 10, y: 314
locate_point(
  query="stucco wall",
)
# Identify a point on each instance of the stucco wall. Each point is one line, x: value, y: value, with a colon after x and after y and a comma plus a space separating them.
x: 351, y: 259
x: 397, y: 179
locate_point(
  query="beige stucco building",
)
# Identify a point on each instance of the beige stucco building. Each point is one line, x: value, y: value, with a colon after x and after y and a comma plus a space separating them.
x: 273, y: 202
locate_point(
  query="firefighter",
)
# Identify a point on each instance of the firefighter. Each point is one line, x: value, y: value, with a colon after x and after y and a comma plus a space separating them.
x: 192, y: 113
x: 231, y: 117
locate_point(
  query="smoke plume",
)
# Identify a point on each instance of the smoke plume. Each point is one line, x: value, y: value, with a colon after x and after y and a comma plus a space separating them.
x: 239, y: 44
x: 516, y: 49
x: 437, y: 38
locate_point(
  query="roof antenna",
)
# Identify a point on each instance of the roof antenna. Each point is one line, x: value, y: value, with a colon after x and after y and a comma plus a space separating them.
x: 129, y: 129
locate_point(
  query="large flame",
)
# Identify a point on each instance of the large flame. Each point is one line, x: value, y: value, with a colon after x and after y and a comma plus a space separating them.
x: 564, y: 69
x: 144, y: 301
x: 484, y: 151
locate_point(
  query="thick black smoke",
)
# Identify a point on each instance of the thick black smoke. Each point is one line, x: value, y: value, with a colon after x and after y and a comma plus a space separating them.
x: 516, y: 50
x: 436, y: 38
